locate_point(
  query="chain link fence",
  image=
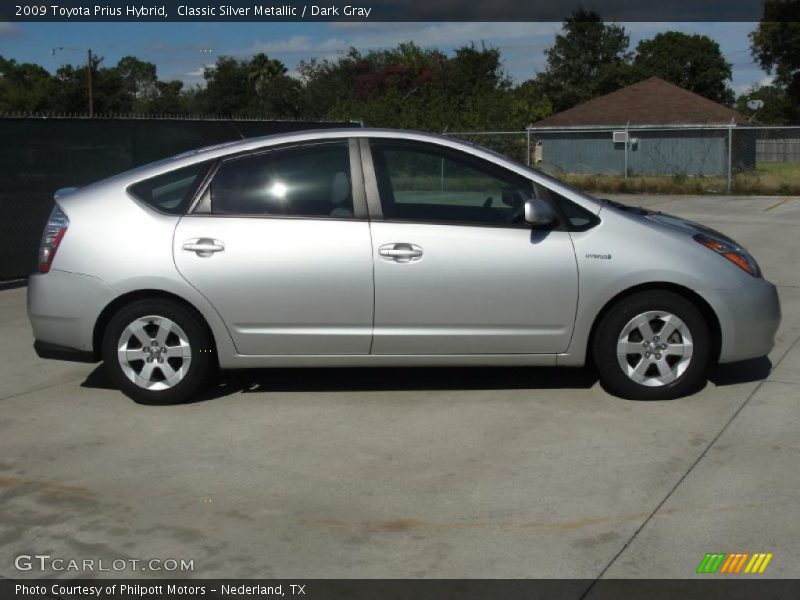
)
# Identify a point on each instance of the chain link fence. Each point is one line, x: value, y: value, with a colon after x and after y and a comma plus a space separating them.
x: 677, y: 159
x: 40, y: 155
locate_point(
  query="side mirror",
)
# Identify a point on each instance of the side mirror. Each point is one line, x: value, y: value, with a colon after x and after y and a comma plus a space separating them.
x: 539, y: 213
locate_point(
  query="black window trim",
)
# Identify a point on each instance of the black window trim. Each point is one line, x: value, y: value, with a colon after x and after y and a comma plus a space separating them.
x: 356, y: 181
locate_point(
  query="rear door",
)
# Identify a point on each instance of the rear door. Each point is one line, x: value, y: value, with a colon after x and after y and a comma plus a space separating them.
x: 457, y: 270
x: 280, y: 245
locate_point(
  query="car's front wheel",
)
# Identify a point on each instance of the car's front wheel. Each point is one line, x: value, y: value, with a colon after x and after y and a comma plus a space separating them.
x: 653, y: 345
x: 157, y: 352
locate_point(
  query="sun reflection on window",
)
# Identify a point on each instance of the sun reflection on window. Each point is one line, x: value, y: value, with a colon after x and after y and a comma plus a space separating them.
x: 279, y: 189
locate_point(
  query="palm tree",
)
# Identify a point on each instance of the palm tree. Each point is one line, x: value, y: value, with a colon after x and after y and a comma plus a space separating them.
x: 263, y: 71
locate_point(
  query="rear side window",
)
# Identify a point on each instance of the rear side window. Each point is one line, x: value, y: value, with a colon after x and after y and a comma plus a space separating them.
x: 171, y: 192
x: 308, y: 181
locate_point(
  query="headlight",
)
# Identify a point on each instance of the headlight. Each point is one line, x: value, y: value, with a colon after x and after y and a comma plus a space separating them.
x: 732, y: 252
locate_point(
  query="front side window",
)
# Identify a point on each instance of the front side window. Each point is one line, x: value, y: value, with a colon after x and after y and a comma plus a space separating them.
x: 425, y: 182
x: 310, y: 181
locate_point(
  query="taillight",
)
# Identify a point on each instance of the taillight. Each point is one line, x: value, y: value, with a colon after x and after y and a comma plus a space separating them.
x: 51, y: 237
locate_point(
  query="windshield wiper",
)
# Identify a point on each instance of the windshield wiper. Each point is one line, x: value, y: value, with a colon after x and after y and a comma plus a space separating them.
x: 627, y: 208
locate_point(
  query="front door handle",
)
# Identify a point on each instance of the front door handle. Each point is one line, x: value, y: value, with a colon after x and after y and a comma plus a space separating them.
x: 203, y: 246
x: 401, y: 252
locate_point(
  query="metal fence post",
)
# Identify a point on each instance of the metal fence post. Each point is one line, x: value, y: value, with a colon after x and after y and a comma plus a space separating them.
x: 625, y: 168
x: 528, y: 155
x: 730, y: 157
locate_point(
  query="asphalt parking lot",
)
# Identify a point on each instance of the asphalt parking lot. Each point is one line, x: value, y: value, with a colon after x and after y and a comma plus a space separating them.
x: 432, y: 473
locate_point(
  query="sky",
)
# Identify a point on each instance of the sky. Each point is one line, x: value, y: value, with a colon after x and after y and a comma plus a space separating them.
x: 180, y: 50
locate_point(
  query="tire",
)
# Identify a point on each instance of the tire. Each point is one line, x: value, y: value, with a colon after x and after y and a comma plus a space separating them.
x: 173, y: 369
x: 633, y: 358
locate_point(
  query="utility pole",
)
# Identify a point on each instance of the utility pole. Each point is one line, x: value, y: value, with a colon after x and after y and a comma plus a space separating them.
x: 89, y: 65
x: 89, y: 80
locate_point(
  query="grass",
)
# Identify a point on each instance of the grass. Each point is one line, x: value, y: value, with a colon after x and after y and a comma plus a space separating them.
x: 768, y: 179
x: 460, y: 183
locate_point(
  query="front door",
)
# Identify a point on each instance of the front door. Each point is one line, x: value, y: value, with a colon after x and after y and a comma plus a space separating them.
x: 457, y: 271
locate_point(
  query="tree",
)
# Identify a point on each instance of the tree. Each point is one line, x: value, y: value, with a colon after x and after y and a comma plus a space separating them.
x: 263, y: 71
x: 228, y: 88
x: 256, y: 87
x: 277, y: 94
x: 775, y: 44
x: 411, y: 87
x: 24, y: 87
x: 168, y: 99
x: 531, y: 103
x: 588, y: 59
x: 778, y: 108
x: 479, y: 89
x: 405, y: 86
x: 140, y: 80
x: 693, y: 62
x: 109, y: 91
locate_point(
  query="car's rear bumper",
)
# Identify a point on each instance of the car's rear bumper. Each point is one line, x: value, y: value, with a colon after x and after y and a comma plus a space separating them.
x: 749, y: 317
x: 63, y: 309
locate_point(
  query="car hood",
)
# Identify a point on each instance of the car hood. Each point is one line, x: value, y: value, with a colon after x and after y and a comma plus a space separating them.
x: 671, y: 221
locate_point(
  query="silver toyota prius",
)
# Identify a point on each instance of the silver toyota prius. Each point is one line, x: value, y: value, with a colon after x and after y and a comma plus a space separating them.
x: 373, y: 247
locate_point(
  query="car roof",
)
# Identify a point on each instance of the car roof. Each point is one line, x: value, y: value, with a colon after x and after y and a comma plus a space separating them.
x: 308, y: 134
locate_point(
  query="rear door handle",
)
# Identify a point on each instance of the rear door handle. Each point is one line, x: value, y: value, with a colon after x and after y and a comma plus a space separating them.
x: 203, y: 246
x: 400, y: 252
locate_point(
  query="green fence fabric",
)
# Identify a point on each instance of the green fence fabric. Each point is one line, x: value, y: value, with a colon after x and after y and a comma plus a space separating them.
x: 40, y: 155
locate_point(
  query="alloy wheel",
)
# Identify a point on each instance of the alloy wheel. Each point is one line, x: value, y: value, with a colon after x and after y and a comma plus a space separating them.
x: 154, y: 353
x: 654, y: 348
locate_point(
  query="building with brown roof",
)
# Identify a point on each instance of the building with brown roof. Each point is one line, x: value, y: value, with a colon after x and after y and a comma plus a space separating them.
x: 649, y: 102
x: 669, y: 130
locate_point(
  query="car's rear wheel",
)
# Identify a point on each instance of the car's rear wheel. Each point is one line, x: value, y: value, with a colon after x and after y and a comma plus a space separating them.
x: 157, y: 352
x: 653, y: 345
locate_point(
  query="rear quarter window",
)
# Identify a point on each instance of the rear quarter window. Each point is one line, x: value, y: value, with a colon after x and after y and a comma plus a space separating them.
x: 171, y: 192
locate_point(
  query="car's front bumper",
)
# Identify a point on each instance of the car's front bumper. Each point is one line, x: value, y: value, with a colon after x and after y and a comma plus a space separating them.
x: 749, y: 317
x: 63, y: 309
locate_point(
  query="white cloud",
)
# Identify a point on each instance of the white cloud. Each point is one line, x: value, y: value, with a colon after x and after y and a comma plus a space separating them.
x: 8, y: 29
x: 366, y: 36
x: 296, y: 43
x: 299, y: 44
x: 745, y: 88
x: 441, y: 34
x: 192, y: 78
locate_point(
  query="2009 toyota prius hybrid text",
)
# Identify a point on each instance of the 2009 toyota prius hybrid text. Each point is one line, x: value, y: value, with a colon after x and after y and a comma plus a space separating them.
x: 375, y: 247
